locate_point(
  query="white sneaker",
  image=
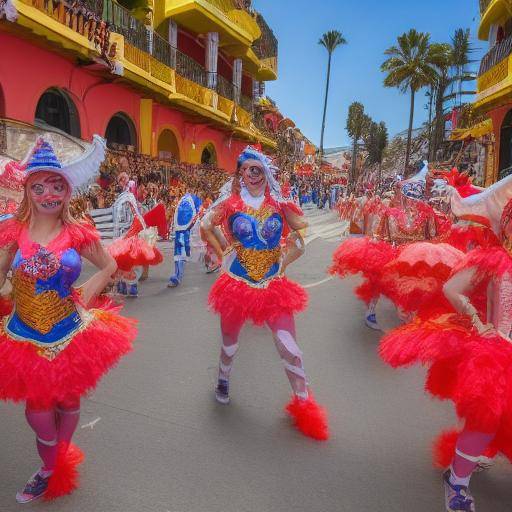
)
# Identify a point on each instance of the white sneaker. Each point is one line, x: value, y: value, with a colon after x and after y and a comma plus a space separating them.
x: 370, y: 321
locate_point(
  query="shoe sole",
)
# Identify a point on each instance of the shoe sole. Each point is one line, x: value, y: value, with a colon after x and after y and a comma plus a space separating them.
x: 24, y: 501
x: 222, y: 400
x: 374, y: 327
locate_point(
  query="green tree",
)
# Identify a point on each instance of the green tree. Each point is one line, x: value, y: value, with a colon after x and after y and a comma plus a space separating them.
x: 358, y: 125
x: 461, y: 49
x: 410, y: 67
x: 376, y: 143
x: 330, y: 41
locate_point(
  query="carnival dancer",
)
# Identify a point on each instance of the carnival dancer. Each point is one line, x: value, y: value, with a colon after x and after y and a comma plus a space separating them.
x: 55, y: 346
x: 185, y: 217
x: 263, y: 232
x: 407, y: 219
x: 468, y: 349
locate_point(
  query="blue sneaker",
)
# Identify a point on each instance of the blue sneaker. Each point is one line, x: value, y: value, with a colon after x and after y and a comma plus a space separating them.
x: 370, y: 321
x: 457, y: 498
x: 173, y: 282
x: 121, y: 288
x: 222, y: 391
x: 133, y: 291
x: 34, y: 488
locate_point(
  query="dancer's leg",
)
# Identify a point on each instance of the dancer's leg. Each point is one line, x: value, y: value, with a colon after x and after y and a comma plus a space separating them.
x: 68, y: 416
x: 283, y: 331
x: 230, y: 330
x: 470, y: 446
x: 43, y: 423
x: 308, y: 416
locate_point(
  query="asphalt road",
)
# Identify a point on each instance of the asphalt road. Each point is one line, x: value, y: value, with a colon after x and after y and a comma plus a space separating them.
x: 156, y: 441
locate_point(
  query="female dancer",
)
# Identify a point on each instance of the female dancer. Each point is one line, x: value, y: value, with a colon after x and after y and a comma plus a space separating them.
x: 256, y: 221
x: 468, y: 350
x: 53, y: 350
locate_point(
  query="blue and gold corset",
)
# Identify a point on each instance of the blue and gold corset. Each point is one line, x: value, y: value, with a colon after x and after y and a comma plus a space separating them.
x: 44, y: 311
x: 257, y: 235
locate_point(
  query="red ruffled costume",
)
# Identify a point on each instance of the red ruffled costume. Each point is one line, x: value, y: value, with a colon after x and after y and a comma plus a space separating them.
x: 471, y: 370
x: 47, y: 373
x: 251, y: 289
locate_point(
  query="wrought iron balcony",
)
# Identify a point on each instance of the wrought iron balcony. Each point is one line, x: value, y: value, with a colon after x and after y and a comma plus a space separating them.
x: 122, y: 22
x: 246, y: 103
x: 495, y: 55
x: 483, y: 5
x: 225, y: 88
x: 266, y: 47
x: 188, y: 68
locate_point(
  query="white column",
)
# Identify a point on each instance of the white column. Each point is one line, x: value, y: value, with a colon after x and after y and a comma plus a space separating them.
x: 237, y: 79
x: 212, y: 58
x: 173, y: 40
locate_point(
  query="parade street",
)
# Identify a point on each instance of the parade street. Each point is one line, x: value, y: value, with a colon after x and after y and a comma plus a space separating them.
x: 156, y: 440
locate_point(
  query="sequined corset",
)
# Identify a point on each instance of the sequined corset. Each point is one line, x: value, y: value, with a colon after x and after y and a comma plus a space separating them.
x: 258, y: 235
x: 500, y: 314
x: 44, y: 312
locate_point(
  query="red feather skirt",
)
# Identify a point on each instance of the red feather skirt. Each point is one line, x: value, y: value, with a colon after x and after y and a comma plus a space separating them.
x: 238, y: 302
x: 473, y: 371
x: 75, y: 371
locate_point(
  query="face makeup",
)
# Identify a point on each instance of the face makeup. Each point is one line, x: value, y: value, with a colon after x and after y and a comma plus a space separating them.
x: 253, y: 177
x: 48, y: 192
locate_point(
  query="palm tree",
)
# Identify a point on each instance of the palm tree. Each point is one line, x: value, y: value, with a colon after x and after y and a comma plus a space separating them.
x: 410, y: 67
x: 330, y: 41
x: 460, y: 58
x: 376, y: 143
x: 358, y: 125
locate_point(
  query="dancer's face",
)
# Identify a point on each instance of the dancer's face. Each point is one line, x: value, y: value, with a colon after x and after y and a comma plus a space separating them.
x: 48, y: 192
x: 253, y: 177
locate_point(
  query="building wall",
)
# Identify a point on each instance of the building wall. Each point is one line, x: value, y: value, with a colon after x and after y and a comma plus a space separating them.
x: 27, y: 71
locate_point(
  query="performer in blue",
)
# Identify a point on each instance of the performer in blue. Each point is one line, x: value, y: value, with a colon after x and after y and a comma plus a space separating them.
x: 185, y: 217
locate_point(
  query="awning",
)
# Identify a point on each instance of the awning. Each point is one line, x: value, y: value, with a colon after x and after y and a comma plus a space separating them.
x: 475, y: 132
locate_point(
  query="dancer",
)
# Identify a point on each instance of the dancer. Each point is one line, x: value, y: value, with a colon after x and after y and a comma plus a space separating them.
x: 184, y: 219
x: 468, y: 349
x: 257, y: 222
x: 54, y: 347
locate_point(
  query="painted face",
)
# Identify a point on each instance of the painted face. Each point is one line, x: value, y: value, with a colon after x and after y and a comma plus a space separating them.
x: 48, y: 192
x: 253, y: 177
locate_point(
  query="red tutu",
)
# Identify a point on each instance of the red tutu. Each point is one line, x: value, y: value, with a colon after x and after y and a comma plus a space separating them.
x: 473, y: 371
x: 365, y: 256
x: 238, y: 302
x: 134, y: 251
x: 75, y: 371
x: 416, y: 277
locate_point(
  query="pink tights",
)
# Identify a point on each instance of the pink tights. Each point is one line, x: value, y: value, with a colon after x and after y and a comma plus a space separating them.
x: 53, y: 426
x: 283, y: 332
x: 470, y: 446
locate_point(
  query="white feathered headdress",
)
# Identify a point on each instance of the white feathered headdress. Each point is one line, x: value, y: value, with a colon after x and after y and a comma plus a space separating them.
x: 77, y: 173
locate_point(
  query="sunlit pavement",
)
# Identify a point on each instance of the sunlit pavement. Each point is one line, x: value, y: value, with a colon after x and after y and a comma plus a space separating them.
x: 156, y: 441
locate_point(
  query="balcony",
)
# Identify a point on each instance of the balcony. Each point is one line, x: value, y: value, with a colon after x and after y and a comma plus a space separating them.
x: 495, y: 55
x: 493, y: 12
x: 266, y: 49
x: 232, y: 19
x: 483, y: 6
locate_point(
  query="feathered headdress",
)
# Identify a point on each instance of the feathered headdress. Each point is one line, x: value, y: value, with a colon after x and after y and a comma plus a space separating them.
x: 77, y: 173
x: 251, y: 153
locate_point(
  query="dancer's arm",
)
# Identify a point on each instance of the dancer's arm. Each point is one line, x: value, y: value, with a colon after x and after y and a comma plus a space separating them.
x: 107, y: 266
x: 210, y: 231
x: 6, y: 257
x: 295, y: 246
x: 456, y: 290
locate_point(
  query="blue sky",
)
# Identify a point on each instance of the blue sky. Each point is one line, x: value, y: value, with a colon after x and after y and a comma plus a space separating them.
x: 370, y: 26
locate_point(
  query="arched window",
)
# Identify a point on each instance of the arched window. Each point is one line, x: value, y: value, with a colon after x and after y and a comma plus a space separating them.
x: 121, y: 131
x: 505, y: 166
x: 55, y: 108
x: 168, y: 145
x: 209, y: 155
